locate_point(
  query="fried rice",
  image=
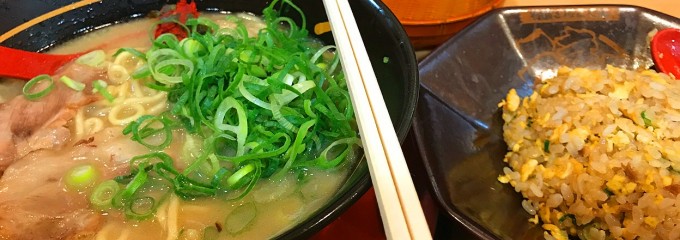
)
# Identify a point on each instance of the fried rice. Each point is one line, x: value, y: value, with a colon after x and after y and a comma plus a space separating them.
x: 596, y: 154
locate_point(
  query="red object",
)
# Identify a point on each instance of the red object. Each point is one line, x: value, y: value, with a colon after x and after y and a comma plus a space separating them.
x: 666, y: 51
x: 26, y: 65
x: 181, y: 14
x: 361, y: 221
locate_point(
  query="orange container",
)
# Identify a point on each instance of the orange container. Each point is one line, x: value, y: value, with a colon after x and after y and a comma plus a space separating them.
x: 429, y: 23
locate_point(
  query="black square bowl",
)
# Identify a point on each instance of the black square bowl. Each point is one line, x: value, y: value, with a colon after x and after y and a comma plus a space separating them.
x: 457, y: 123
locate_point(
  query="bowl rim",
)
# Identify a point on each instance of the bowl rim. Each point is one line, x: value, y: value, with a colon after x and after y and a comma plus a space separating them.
x: 453, y: 212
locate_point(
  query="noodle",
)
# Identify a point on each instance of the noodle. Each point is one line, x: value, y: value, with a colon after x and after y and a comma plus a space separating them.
x: 78, y: 122
x: 137, y: 90
x: 137, y: 104
x: 117, y: 74
x: 130, y: 96
x: 120, y: 90
x: 101, y: 235
x: 158, y: 97
x: 127, y: 60
x: 173, y: 210
x: 117, y: 109
x: 162, y: 215
x: 93, y: 125
x: 106, y: 230
x: 123, y: 64
x: 124, y: 235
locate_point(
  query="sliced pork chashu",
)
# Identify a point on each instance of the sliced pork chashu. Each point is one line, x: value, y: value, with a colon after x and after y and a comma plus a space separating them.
x: 26, y: 126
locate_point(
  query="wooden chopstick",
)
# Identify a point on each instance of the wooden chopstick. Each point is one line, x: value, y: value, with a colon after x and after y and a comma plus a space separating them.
x: 400, y: 208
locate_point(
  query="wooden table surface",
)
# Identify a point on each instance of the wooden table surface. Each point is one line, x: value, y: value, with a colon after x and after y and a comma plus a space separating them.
x: 670, y: 7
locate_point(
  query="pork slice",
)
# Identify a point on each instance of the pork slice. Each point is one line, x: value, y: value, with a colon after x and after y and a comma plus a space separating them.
x: 26, y: 126
x: 36, y: 204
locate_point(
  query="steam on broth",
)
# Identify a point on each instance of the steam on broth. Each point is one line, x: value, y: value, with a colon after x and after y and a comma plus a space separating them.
x: 80, y: 183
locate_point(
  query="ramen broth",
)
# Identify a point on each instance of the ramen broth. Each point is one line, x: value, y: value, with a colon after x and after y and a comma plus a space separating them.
x: 272, y: 207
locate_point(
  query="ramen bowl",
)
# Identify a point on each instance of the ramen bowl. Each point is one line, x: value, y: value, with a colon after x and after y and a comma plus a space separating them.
x: 40, y: 26
x: 458, y: 123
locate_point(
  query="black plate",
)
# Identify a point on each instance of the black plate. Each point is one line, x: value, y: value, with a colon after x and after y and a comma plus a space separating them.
x: 382, y: 33
x: 458, y: 124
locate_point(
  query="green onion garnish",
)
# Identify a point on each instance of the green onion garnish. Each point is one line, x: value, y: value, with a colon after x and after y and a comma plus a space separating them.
x: 141, y: 72
x: 103, y: 194
x: 565, y: 216
x: 72, y: 84
x: 100, y: 87
x: 212, y: 232
x: 141, y: 208
x: 81, y: 177
x: 241, y: 218
x: 28, y: 90
x: 546, y: 146
x: 142, y: 128
x: 125, y: 196
x: 235, y: 180
x: 323, y: 160
x: 265, y: 106
x: 647, y: 121
x: 132, y: 51
x: 92, y: 59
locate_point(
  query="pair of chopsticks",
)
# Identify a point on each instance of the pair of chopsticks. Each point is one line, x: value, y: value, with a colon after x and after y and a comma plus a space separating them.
x: 400, y: 208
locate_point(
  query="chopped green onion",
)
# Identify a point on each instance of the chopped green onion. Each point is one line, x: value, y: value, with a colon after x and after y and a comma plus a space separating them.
x: 565, y: 216
x: 294, y: 150
x: 276, y: 114
x: 647, y: 121
x: 241, y: 130
x: 191, y: 47
x: 103, y: 194
x: 92, y: 59
x: 212, y: 232
x: 100, y: 87
x: 546, y: 146
x: 234, y: 181
x: 141, y: 208
x: 608, y: 192
x: 308, y: 109
x: 195, y: 23
x: 124, y: 196
x: 141, y: 72
x: 240, y: 218
x: 72, y: 84
x: 249, y: 96
x: 386, y: 60
x: 28, y: 90
x: 81, y: 177
x: 142, y: 128
x: 265, y: 106
x: 259, y: 154
x: 220, y: 177
x: 132, y: 51
x: 323, y: 161
x: 673, y: 170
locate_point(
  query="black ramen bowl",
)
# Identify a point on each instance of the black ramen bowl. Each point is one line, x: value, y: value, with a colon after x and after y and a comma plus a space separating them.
x: 458, y: 124
x: 380, y: 29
